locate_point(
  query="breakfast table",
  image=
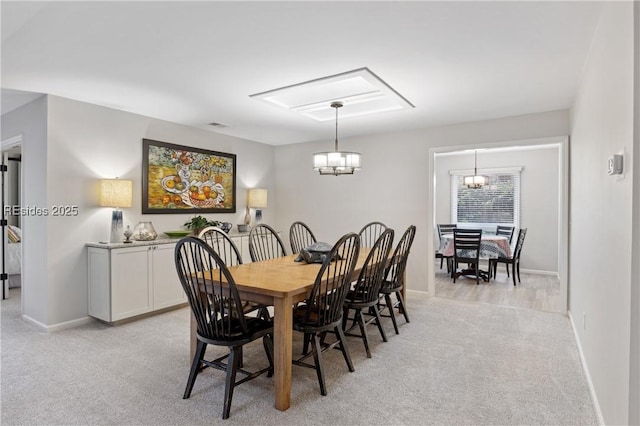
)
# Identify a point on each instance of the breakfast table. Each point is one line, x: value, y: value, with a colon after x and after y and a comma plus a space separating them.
x: 491, y: 247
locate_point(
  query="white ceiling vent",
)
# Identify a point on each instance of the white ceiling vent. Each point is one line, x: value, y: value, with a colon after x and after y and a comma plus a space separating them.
x: 361, y: 92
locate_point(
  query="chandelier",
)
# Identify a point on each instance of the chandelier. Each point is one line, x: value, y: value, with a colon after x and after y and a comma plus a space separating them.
x: 336, y: 162
x: 476, y: 181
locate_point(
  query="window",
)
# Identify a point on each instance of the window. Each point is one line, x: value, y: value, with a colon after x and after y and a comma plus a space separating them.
x: 497, y: 203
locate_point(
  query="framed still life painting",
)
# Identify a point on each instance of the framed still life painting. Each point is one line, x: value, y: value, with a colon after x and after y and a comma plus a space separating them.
x: 181, y: 179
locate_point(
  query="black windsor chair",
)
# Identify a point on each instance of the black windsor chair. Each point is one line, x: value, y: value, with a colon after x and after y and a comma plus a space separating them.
x: 393, y: 282
x: 321, y: 313
x: 217, y: 308
x: 364, y: 295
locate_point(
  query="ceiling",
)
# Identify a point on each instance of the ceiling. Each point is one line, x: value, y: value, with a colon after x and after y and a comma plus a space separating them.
x: 198, y: 62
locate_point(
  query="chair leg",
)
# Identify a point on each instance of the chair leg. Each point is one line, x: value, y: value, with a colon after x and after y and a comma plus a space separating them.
x: 195, y: 368
x: 305, y: 345
x: 441, y: 259
x: 363, y: 331
x: 374, y: 308
x: 402, y: 307
x: 232, y: 369
x: 344, y: 348
x: 267, y: 341
x: 518, y: 266
x: 317, y: 358
x: 345, y: 317
x: 387, y: 298
x: 477, y: 268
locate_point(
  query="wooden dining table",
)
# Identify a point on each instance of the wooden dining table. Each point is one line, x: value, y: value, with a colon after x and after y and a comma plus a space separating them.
x: 280, y: 282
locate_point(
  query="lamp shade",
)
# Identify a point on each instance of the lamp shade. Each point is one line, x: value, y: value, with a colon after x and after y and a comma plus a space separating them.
x: 336, y: 163
x: 475, y: 181
x: 257, y: 198
x: 116, y: 193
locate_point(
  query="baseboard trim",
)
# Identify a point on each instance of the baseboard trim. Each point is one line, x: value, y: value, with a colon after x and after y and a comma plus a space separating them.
x: 419, y: 292
x: 585, y: 368
x: 539, y: 272
x: 60, y: 326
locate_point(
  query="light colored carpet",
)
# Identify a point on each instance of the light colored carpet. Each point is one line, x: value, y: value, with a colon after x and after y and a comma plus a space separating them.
x: 456, y: 363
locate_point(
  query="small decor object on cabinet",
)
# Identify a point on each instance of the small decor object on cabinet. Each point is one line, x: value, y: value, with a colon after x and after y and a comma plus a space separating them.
x: 127, y: 234
x: 181, y: 179
x: 144, y: 231
x: 226, y: 226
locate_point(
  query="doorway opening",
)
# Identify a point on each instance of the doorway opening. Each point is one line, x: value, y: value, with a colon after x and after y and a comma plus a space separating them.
x: 544, y: 164
x: 12, y: 196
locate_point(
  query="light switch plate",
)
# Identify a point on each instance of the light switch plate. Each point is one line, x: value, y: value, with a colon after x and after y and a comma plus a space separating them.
x: 615, y: 165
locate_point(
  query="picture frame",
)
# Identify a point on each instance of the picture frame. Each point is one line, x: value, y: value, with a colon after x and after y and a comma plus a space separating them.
x: 182, y: 179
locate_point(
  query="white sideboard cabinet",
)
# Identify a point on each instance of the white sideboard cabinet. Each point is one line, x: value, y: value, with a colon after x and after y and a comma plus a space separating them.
x: 126, y: 280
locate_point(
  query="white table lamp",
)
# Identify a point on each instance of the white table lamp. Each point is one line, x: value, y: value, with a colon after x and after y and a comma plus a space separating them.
x: 116, y: 193
x: 256, y: 199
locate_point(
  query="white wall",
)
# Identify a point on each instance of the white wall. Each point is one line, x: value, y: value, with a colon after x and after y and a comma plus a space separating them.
x: 31, y: 122
x: 392, y: 187
x: 538, y: 196
x: 86, y: 143
x: 600, y: 209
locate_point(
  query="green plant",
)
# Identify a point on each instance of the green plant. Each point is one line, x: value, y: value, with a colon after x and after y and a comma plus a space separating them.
x: 198, y: 223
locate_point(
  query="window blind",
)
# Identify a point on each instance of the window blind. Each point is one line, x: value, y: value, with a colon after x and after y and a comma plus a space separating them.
x: 497, y: 203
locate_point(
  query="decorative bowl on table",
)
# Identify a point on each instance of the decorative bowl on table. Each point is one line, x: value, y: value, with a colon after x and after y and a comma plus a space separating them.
x: 144, y: 231
x: 177, y: 234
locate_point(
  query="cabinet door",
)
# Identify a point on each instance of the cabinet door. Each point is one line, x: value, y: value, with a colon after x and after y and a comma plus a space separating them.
x: 131, y: 287
x: 99, y: 266
x: 243, y: 245
x: 167, y: 290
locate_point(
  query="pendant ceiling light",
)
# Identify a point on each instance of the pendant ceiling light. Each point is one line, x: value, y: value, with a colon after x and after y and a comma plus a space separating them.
x: 337, y: 162
x: 476, y: 181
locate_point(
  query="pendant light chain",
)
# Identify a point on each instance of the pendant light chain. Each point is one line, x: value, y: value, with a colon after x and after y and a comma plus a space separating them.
x: 336, y: 107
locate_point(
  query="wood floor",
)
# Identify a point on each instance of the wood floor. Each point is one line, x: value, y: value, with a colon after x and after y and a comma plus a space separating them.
x: 535, y: 291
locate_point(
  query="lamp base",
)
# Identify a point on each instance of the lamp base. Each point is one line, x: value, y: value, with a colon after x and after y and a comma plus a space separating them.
x: 247, y: 217
x: 116, y: 227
